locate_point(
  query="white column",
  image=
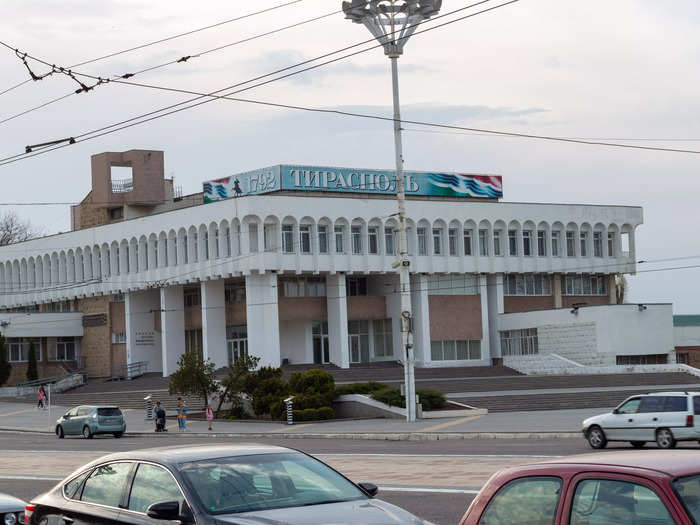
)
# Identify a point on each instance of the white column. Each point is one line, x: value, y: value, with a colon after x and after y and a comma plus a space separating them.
x: 485, y: 326
x: 263, y: 318
x: 495, y: 305
x: 214, y: 322
x: 337, y: 305
x: 142, y: 340
x: 172, y: 325
x: 421, y: 319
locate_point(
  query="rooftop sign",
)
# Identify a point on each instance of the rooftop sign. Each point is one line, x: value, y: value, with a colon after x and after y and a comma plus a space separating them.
x: 351, y: 180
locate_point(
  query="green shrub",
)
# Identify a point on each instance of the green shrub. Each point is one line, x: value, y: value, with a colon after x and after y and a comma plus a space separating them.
x: 431, y: 400
x: 390, y: 396
x: 310, y: 414
x: 317, y: 387
x: 298, y: 415
x: 267, y: 389
x: 359, y: 388
x: 326, y: 413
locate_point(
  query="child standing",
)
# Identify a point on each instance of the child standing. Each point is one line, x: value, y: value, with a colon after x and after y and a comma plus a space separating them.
x: 181, y: 415
x: 210, y: 416
x: 41, y: 397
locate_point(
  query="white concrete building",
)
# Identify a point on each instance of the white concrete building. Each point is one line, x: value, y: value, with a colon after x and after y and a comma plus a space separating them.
x: 301, y: 271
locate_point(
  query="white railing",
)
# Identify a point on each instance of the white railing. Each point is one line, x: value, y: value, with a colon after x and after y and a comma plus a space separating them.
x: 122, y: 186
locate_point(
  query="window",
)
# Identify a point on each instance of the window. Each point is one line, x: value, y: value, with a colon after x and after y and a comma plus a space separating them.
x: 305, y: 238
x: 527, y: 284
x: 65, y: 348
x: 227, y: 237
x: 236, y: 342
x: 118, y: 337
x: 468, y: 242
x: 373, y: 240
x: 116, y: 213
x: 452, y: 284
x: 358, y: 341
x: 383, y: 338
x: 527, y: 242
x: 309, y: 287
x: 461, y: 350
x: 422, y: 241
x: 584, y: 243
x: 676, y: 404
x: 106, y: 483
x: 71, y: 490
x: 319, y: 331
x: 483, y: 243
x: 192, y: 297
x: 644, y: 359
x: 288, y: 238
x: 555, y: 244
x: 234, y: 293
x: 18, y: 349
x: 216, y: 246
x: 195, y: 244
x: 356, y: 286
x: 512, y: 243
x: 541, y: 243
x: 519, y: 342
x: 356, y: 234
x: 497, y: 243
x: 193, y: 341
x: 437, y: 241
x: 269, y: 238
x: 206, y: 248
x: 452, y: 241
x: 611, y: 244
x: 253, y: 239
x: 585, y: 285
x: 322, y: 239
x: 389, y: 247
x: 116, y: 298
x: 525, y: 500
x: 151, y: 485
x: 339, y: 234
x: 651, y: 404
x: 688, y: 490
x: 629, y: 407
x: 570, y: 244
x: 597, y: 244
x: 614, y: 501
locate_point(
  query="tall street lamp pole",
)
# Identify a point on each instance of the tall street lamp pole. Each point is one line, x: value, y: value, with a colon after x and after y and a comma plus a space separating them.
x: 392, y: 22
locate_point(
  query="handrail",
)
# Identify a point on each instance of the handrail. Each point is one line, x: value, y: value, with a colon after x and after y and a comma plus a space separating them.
x: 38, y: 382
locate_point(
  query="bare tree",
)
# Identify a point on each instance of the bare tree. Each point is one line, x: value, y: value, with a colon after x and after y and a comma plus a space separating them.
x: 13, y: 229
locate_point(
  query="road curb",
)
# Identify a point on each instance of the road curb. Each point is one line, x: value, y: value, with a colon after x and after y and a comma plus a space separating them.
x: 375, y: 436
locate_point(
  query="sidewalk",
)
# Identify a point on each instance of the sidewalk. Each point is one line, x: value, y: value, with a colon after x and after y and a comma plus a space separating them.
x: 539, y: 424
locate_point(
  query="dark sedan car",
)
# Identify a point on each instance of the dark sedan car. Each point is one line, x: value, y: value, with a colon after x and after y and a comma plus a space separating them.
x: 655, y: 487
x: 217, y: 484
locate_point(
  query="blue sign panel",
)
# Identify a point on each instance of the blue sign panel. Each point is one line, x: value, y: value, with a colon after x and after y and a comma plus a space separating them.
x: 350, y: 180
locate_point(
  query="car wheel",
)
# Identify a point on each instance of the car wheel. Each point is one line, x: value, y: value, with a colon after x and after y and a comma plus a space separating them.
x: 87, y: 433
x: 118, y: 434
x: 638, y: 444
x: 596, y: 437
x: 665, y: 439
x: 59, y: 432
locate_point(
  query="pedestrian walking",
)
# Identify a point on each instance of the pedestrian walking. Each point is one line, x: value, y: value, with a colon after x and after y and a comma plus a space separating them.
x: 210, y: 416
x: 41, y: 397
x: 159, y: 413
x: 181, y: 415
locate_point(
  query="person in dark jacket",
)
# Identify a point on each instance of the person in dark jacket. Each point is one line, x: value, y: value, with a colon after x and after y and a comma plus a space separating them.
x: 159, y: 413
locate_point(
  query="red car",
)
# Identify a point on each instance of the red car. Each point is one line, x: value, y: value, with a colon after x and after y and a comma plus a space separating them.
x: 654, y: 487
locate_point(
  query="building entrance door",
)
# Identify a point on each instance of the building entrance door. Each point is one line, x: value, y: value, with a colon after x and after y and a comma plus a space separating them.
x: 355, y: 354
x: 358, y: 341
x: 237, y: 348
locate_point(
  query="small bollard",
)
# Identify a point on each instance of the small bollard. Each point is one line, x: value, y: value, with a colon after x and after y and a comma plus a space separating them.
x: 148, y: 406
x: 290, y: 411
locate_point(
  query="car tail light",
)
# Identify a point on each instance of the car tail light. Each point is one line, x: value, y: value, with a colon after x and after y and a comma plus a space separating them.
x: 688, y: 421
x: 28, y: 511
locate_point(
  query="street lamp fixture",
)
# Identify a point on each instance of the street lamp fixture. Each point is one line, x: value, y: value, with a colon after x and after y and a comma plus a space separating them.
x: 392, y: 22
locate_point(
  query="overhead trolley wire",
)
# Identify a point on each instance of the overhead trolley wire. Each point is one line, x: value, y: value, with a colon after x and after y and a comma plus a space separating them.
x: 170, y: 62
x: 166, y: 39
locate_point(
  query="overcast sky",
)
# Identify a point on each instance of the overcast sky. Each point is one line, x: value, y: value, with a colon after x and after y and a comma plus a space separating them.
x: 626, y: 69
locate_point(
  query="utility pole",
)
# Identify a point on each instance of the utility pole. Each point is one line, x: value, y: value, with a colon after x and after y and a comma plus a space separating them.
x: 392, y: 22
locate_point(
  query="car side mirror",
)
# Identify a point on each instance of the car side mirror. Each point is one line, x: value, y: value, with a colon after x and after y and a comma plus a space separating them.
x: 615, y: 411
x: 66, y: 415
x: 369, y: 488
x: 166, y: 510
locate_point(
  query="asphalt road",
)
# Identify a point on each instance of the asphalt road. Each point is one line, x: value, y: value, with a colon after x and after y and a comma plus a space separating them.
x: 440, y: 507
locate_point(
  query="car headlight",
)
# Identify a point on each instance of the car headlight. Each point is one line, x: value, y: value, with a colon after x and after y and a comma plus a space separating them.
x: 10, y: 519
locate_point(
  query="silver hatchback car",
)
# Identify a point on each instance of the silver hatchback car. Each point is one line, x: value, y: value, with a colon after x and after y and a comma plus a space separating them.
x: 90, y: 420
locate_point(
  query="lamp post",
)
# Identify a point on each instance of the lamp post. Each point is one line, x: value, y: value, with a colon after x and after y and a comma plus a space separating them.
x: 392, y: 22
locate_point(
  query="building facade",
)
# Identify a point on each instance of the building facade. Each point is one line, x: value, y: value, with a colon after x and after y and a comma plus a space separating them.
x: 305, y: 275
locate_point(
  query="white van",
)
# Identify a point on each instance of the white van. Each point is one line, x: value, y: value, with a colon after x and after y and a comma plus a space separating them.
x: 664, y: 417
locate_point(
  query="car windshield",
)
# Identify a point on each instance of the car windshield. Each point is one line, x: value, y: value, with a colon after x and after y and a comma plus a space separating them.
x: 688, y: 490
x: 266, y: 481
x: 110, y: 411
